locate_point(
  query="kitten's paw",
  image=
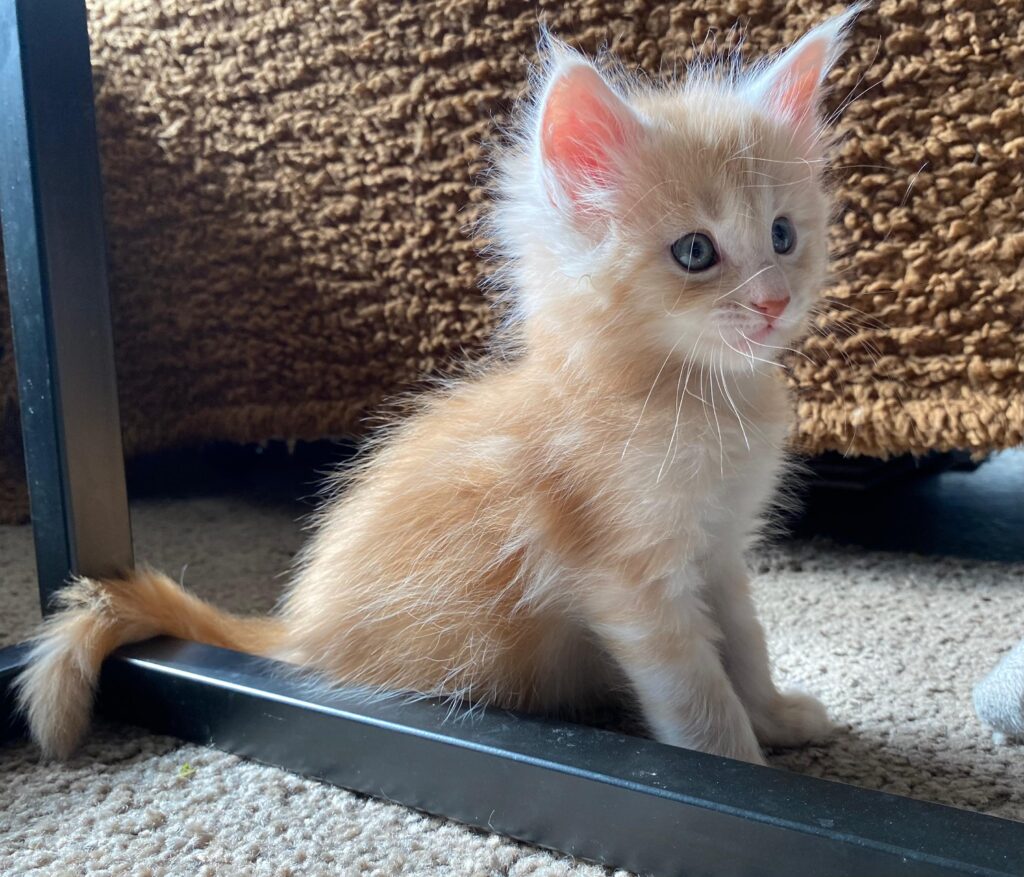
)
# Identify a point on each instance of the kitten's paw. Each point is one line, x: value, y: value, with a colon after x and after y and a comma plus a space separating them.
x: 793, y: 718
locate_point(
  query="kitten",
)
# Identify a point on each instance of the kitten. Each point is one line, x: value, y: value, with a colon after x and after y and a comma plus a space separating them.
x: 572, y: 518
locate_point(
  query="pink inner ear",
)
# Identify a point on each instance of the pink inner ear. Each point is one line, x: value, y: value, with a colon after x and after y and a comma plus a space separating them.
x: 796, y: 93
x: 582, y: 127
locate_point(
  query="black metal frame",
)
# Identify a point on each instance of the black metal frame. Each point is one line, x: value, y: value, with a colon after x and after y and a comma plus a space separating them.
x: 55, y: 254
x: 609, y: 797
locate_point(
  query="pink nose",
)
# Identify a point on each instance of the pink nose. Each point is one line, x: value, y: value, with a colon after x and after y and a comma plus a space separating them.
x: 772, y: 308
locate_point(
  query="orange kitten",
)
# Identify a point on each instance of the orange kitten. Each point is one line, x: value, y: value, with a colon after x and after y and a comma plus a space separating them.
x: 572, y: 519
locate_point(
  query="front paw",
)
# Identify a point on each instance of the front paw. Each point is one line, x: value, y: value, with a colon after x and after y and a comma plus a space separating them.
x: 792, y: 718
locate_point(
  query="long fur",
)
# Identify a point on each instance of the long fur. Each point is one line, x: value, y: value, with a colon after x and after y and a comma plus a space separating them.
x: 569, y: 520
x: 94, y: 618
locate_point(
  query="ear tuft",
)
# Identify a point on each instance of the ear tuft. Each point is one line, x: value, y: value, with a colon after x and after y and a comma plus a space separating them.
x: 792, y: 86
x: 585, y: 127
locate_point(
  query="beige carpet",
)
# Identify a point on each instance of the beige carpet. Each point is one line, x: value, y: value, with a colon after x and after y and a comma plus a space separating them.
x: 893, y: 643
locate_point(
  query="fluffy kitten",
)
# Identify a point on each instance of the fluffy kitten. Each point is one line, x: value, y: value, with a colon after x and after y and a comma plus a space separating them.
x: 572, y: 518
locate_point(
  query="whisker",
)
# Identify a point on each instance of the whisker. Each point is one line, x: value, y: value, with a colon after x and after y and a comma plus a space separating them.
x: 799, y: 182
x: 641, y: 198
x: 729, y: 399
x: 744, y: 283
x: 802, y: 161
x: 718, y: 425
x: 643, y: 408
x: 777, y: 347
x: 679, y: 402
x: 913, y: 180
x: 750, y: 355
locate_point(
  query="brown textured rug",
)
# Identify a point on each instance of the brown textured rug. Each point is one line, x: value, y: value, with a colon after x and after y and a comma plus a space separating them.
x: 288, y: 186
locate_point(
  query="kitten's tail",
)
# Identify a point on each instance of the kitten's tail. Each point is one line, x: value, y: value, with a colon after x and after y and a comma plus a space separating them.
x: 55, y: 691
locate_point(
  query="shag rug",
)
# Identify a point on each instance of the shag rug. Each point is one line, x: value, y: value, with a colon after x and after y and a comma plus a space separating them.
x: 892, y: 643
x: 288, y: 188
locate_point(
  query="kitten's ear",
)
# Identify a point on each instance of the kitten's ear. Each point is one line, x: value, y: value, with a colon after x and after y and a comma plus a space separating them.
x: 791, y: 87
x: 584, y: 129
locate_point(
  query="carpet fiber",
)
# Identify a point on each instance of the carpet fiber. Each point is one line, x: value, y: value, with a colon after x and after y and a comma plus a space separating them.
x: 892, y: 643
x: 288, y: 187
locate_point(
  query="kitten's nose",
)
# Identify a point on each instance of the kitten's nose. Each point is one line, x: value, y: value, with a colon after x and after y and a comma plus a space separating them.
x: 772, y: 308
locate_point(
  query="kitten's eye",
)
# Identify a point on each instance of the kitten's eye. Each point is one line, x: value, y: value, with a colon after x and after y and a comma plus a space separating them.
x: 783, y: 235
x: 694, y: 252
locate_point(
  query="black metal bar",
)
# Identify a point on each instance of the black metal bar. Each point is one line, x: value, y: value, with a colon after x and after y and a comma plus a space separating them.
x: 12, y: 659
x: 620, y: 800
x: 598, y: 795
x: 55, y: 254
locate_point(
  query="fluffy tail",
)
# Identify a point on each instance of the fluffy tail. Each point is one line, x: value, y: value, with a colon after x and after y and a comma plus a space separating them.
x: 56, y: 689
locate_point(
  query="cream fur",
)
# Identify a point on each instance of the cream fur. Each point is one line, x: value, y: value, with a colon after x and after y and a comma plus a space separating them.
x: 569, y: 520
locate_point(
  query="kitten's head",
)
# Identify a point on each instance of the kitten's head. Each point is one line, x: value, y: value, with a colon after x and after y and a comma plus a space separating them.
x: 687, y: 218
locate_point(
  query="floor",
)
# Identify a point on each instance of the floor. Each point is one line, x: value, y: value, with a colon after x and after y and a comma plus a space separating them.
x: 893, y: 642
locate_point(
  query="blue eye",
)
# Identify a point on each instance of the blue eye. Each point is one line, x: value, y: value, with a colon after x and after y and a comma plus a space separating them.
x: 694, y: 252
x: 783, y: 235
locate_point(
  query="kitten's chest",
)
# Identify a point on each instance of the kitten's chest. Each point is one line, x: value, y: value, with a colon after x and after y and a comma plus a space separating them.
x: 698, y: 468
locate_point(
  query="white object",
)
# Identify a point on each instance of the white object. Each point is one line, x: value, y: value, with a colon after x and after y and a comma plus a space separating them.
x: 999, y: 697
